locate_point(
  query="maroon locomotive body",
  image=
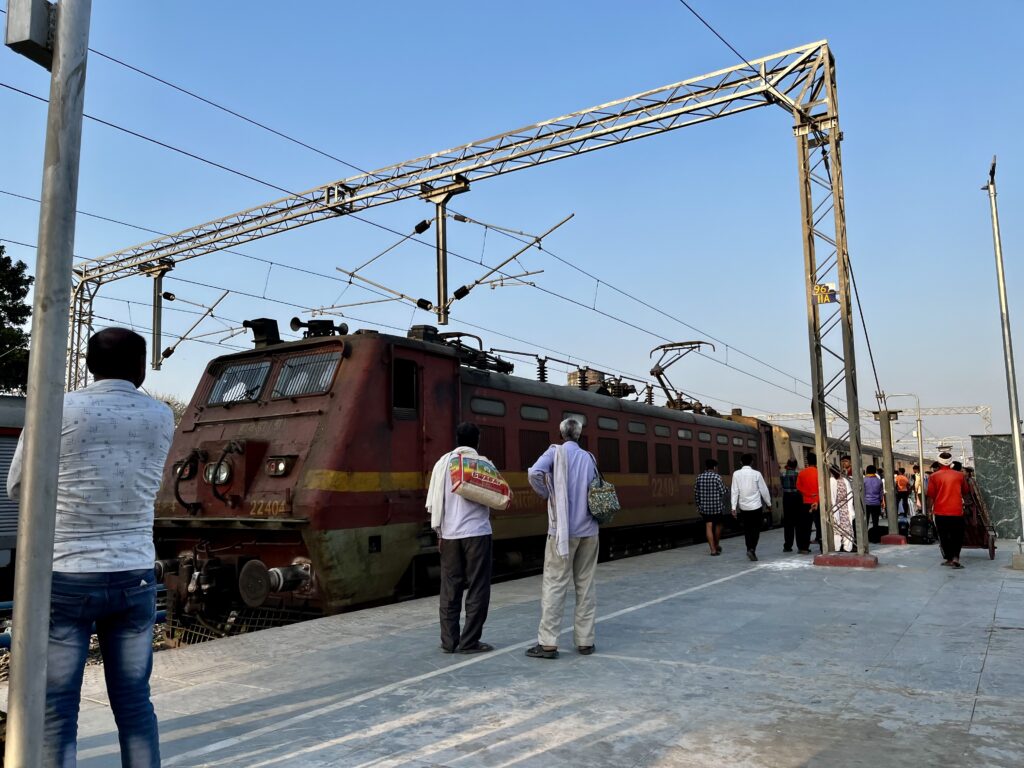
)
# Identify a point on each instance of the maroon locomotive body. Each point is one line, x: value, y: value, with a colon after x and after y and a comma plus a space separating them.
x: 297, y: 477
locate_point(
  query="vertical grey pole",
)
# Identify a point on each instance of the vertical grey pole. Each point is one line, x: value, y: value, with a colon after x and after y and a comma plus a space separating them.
x: 920, y: 458
x: 442, y: 261
x: 158, y: 314
x: 1004, y: 316
x: 888, y: 469
x: 27, y: 693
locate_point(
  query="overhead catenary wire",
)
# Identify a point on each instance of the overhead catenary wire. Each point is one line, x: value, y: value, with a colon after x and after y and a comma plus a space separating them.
x: 505, y: 231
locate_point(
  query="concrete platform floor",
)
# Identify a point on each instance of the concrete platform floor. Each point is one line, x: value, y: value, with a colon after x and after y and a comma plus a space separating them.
x: 700, y: 661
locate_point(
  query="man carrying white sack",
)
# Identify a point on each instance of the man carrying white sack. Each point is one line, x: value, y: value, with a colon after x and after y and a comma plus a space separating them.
x: 463, y: 530
x: 562, y: 475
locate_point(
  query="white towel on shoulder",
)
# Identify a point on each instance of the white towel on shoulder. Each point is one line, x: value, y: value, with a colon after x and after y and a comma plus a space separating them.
x: 560, y: 500
x: 435, y: 491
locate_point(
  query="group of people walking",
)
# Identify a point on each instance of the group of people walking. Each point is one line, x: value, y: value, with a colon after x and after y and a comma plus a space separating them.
x: 562, y: 475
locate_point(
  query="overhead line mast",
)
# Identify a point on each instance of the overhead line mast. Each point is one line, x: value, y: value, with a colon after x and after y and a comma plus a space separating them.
x: 800, y: 80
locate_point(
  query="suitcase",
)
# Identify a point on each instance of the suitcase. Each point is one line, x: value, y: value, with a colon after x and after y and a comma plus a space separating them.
x: 922, y: 530
x: 876, y: 532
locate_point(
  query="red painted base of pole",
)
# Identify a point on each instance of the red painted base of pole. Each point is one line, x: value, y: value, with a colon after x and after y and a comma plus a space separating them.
x: 846, y: 560
x: 894, y: 538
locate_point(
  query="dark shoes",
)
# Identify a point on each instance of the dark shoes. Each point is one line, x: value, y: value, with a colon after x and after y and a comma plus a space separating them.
x: 751, y: 555
x: 539, y: 652
x: 585, y: 650
x: 446, y: 650
x: 787, y: 549
x: 476, y: 648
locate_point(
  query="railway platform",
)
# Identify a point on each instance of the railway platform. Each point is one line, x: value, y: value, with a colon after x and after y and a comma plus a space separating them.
x: 700, y: 661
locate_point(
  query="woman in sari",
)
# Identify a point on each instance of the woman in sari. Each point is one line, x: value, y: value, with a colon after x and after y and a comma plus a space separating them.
x: 842, y: 510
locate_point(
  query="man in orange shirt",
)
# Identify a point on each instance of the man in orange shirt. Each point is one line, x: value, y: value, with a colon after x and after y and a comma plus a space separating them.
x: 946, y: 492
x: 807, y: 484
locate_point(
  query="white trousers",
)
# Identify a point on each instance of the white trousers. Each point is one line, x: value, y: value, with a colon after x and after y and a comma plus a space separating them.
x: 578, y: 569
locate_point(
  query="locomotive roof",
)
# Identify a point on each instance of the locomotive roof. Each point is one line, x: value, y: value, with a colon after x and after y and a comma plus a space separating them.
x: 573, y: 395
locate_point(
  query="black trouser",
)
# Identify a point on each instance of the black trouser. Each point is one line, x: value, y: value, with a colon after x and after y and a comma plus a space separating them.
x: 751, y: 520
x: 951, y: 535
x: 903, y: 501
x: 803, y: 527
x: 874, y: 513
x: 465, y: 567
x: 792, y: 509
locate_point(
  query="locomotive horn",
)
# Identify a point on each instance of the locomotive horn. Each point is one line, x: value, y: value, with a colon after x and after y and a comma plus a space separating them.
x: 318, y: 327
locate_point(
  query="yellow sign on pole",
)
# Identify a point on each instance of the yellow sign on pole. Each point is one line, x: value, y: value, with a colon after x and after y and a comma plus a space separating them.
x: 825, y: 293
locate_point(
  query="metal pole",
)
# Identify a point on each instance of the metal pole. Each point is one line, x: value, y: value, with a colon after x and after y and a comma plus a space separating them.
x: 885, y: 419
x: 442, y: 261
x: 33, y: 570
x: 1011, y: 374
x: 919, y: 475
x: 158, y: 313
x: 818, y: 409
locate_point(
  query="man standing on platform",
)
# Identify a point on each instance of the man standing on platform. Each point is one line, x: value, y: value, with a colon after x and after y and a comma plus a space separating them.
x: 946, y: 492
x: 792, y: 506
x: 464, y: 539
x: 562, y: 475
x: 749, y: 497
x: 114, y: 442
x: 807, y: 484
x: 874, y: 495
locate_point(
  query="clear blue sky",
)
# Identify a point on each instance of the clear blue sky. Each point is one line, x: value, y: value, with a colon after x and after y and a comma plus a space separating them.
x: 703, y: 222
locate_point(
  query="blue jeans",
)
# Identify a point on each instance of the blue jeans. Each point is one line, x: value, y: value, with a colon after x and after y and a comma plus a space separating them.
x: 122, y: 605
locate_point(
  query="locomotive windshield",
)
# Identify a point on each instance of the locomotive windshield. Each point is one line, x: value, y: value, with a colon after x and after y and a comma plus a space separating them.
x: 241, y: 383
x: 306, y: 374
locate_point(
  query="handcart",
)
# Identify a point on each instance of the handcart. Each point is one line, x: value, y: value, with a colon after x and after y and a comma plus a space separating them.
x: 979, y: 533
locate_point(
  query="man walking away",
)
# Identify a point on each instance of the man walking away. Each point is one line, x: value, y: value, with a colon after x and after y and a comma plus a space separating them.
x: 464, y: 539
x: 874, y: 495
x: 915, y: 490
x: 114, y: 441
x: 562, y: 475
x: 709, y: 495
x: 792, y: 505
x: 946, y: 490
x: 748, y: 493
x: 807, y: 484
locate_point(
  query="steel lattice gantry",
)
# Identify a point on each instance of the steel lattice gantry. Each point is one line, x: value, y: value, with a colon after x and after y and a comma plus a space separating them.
x: 800, y: 81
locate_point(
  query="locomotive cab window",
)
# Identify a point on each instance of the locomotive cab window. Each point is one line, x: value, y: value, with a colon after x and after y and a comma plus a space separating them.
x: 240, y: 383
x: 306, y: 375
x: 404, y: 388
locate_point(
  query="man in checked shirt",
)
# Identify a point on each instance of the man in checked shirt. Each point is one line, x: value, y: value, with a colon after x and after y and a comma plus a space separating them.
x: 709, y: 494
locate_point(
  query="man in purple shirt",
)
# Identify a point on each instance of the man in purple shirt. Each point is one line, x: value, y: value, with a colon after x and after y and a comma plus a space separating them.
x: 562, y: 475
x: 874, y: 495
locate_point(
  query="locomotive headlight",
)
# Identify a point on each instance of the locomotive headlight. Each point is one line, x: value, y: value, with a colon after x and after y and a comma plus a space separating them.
x: 186, y: 470
x: 218, y: 473
x: 279, y: 466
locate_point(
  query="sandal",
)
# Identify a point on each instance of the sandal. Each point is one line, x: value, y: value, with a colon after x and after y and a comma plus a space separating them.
x: 540, y: 652
x: 956, y: 564
x: 585, y: 650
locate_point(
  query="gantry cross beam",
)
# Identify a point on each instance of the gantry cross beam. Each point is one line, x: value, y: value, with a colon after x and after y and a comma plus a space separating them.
x: 801, y: 81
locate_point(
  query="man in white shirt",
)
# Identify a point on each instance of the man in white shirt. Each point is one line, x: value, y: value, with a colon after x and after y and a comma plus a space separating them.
x: 749, y: 497
x: 114, y: 442
x: 463, y: 530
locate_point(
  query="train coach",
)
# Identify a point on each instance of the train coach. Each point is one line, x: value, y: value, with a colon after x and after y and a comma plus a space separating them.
x: 297, y: 476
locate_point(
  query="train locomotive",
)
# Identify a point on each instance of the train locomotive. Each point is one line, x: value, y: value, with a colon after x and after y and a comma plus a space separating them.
x: 297, y: 477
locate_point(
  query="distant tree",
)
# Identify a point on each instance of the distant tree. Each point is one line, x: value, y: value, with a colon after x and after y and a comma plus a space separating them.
x: 177, y: 405
x: 14, y: 313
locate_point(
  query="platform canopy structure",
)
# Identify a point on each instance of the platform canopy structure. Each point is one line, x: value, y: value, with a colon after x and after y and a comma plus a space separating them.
x: 800, y: 81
